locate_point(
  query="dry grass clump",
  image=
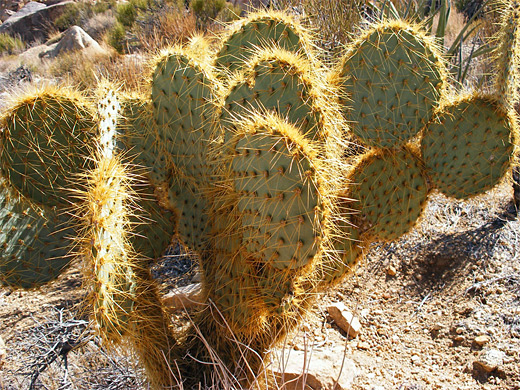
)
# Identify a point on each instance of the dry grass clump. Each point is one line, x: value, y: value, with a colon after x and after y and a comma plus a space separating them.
x: 83, y: 70
x: 168, y: 29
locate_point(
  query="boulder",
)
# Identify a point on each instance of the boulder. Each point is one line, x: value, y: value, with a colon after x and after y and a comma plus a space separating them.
x: 6, y: 14
x: 34, y: 21
x: 313, y: 370
x: 74, y: 39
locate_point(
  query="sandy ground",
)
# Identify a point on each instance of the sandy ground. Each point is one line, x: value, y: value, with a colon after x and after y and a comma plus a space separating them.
x: 433, y: 307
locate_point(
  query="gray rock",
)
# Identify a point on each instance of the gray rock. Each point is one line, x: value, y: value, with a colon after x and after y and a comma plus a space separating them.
x: 33, y: 21
x: 313, y: 370
x: 74, y: 39
x: 6, y: 14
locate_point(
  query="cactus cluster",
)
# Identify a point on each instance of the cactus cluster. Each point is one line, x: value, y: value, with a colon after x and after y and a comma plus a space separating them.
x: 248, y: 161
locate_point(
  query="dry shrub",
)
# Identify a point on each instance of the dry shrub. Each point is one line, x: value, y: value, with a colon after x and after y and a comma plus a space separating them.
x: 99, y: 24
x: 170, y: 28
x: 84, y: 69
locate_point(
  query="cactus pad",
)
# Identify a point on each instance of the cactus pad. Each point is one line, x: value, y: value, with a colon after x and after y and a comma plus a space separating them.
x: 278, y: 81
x: 45, y: 142
x: 274, y: 175
x: 260, y: 30
x: 468, y: 149
x: 181, y: 94
x: 138, y: 131
x: 393, y: 76
x: 349, y: 247
x: 34, y: 240
x: 390, y: 190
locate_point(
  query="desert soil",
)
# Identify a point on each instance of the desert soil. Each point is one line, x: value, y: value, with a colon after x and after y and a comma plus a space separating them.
x: 435, y: 307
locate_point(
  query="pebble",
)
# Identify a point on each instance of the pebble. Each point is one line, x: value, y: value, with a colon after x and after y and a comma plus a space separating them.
x: 489, y: 360
x: 391, y: 271
x: 482, y: 340
x: 363, y: 345
x: 344, y: 319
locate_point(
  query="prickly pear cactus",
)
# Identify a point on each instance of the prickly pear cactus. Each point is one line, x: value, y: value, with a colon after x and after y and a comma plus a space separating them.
x: 279, y: 81
x: 263, y: 188
x: 44, y: 143
x: 393, y: 76
x: 243, y: 39
x: 507, y: 53
x: 43, y: 147
x: 467, y: 149
x: 391, y: 189
x: 34, y: 239
x: 182, y: 91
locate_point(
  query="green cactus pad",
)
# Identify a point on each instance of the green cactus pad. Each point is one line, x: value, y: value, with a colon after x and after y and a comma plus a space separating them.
x: 277, y: 290
x: 389, y: 189
x: 236, y: 296
x: 45, y: 142
x: 507, y: 53
x: 392, y: 77
x: 260, y: 30
x: 281, y: 82
x: 139, y: 133
x: 275, y: 177
x: 35, y: 241
x: 181, y: 92
x: 332, y: 270
x: 468, y: 149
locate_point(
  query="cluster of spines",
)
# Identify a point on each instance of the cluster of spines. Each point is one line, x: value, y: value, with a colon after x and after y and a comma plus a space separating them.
x: 507, y: 53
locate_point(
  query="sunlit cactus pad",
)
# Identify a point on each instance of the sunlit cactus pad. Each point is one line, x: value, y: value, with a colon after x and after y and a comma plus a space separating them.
x: 260, y: 30
x: 389, y: 189
x: 393, y: 78
x: 279, y: 81
x: 275, y: 176
x: 349, y: 249
x: 137, y: 132
x: 468, y: 149
x: 34, y: 240
x: 181, y: 93
x: 45, y: 142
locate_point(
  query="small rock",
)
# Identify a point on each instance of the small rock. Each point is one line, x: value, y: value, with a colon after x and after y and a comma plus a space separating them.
x: 197, y: 278
x: 387, y: 295
x: 183, y: 297
x: 363, y: 345
x: 313, y: 370
x: 391, y: 271
x: 459, y: 330
x: 489, y: 360
x: 344, y: 319
x: 459, y: 338
x: 3, y: 352
x: 482, y: 340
